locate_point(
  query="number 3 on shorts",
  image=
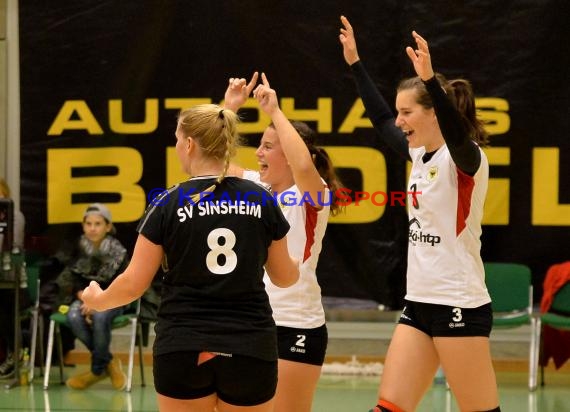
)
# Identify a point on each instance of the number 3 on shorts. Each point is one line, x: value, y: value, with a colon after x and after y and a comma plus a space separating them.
x: 225, y: 250
x: 458, y: 316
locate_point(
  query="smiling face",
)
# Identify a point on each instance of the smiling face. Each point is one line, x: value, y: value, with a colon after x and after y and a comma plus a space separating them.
x: 418, y: 123
x: 95, y: 228
x: 273, y: 166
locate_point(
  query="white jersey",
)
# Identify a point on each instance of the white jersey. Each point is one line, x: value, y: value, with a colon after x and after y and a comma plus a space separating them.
x: 444, y: 261
x: 300, y: 305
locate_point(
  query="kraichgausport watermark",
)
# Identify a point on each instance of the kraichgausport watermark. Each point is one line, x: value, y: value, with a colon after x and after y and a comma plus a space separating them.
x: 341, y: 197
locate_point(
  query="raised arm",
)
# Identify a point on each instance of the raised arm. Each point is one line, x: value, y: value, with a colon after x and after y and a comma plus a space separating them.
x: 376, y: 106
x: 463, y: 150
x: 238, y: 91
x: 305, y: 173
x: 282, y: 269
x: 132, y: 283
x: 348, y: 41
x: 236, y: 95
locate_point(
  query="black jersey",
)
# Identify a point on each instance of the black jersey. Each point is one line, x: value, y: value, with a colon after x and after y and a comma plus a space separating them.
x: 213, y: 295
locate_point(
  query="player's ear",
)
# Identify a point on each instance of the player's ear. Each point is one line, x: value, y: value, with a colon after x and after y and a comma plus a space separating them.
x: 190, y: 145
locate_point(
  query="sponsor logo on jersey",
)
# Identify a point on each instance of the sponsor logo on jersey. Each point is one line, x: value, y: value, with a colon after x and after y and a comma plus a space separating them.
x: 417, y: 237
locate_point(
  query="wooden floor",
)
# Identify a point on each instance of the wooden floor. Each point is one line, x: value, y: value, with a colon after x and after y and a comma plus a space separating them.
x: 335, y: 393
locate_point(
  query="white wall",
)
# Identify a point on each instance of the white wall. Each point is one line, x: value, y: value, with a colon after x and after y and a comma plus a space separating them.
x: 10, y: 97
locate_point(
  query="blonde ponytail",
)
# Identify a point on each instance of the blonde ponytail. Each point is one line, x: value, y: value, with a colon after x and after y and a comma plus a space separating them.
x: 215, y: 131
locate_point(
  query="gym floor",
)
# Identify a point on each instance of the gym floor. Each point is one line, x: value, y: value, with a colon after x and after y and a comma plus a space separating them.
x: 336, y: 393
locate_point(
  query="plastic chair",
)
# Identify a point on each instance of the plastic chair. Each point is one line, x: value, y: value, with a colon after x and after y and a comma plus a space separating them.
x: 557, y: 317
x: 37, y: 323
x: 130, y: 317
x: 510, y: 287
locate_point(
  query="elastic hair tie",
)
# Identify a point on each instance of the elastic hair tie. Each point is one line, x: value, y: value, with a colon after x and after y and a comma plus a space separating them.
x: 221, y: 114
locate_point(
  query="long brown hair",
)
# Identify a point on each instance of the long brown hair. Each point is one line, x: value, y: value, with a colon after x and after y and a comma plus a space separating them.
x: 461, y: 95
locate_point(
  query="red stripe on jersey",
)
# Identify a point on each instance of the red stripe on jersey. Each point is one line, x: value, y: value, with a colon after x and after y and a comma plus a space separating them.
x: 465, y: 185
x: 310, y: 224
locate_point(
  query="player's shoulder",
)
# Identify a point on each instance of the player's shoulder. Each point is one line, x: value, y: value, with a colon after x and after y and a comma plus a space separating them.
x: 246, y: 185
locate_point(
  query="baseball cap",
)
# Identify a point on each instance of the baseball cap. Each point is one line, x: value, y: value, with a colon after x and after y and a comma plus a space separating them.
x: 98, y: 209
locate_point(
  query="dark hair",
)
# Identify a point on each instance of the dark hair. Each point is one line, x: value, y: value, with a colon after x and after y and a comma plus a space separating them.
x: 322, y: 162
x: 461, y: 95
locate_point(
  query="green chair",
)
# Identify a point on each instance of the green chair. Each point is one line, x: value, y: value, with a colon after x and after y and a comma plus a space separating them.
x: 34, y: 314
x: 510, y: 287
x: 557, y: 317
x: 129, y: 317
x: 30, y: 280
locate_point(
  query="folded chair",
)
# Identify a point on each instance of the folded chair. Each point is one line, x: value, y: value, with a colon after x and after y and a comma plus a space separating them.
x: 510, y: 287
x: 130, y: 317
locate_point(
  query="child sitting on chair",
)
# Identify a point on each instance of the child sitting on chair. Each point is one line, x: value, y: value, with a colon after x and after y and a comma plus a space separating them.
x: 101, y: 257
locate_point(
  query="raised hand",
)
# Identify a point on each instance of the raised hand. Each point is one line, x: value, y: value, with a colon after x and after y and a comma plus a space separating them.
x: 348, y: 42
x: 266, y: 96
x: 420, y: 57
x: 238, y: 91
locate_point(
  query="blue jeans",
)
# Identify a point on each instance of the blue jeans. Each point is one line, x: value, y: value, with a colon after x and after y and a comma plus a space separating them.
x: 97, y: 336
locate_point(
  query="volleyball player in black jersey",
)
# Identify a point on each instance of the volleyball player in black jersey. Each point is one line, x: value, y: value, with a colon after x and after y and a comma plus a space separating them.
x: 215, y: 346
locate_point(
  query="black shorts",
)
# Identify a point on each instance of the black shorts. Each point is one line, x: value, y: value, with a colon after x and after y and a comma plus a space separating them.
x: 441, y: 320
x: 303, y: 345
x: 237, y: 380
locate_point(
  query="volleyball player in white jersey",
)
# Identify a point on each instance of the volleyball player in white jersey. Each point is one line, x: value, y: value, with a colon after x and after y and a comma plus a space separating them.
x: 215, y: 346
x: 302, y: 178
x: 447, y: 316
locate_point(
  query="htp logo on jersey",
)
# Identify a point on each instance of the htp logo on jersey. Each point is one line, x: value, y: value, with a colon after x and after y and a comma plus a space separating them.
x: 419, y: 238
